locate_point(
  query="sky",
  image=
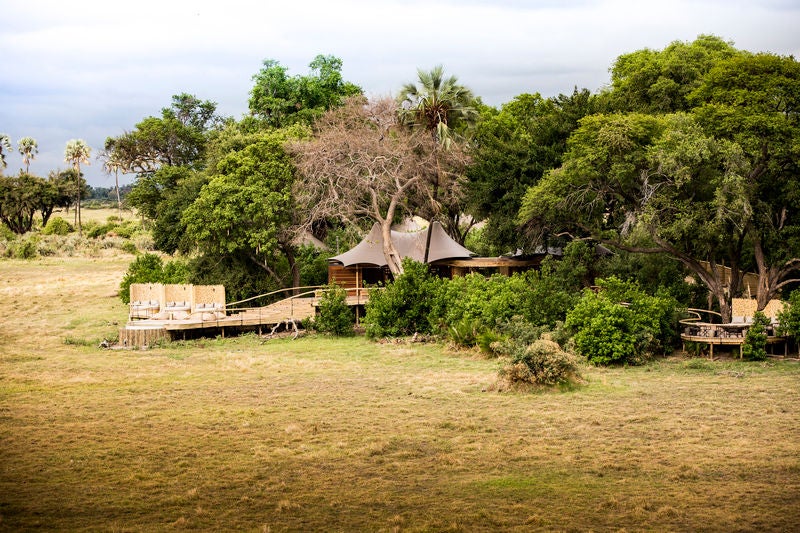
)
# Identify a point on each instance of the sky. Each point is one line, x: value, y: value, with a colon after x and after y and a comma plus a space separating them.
x: 92, y: 70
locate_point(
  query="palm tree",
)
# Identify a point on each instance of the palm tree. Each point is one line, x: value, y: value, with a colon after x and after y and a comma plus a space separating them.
x: 437, y: 104
x: 113, y: 162
x: 5, y: 147
x: 78, y: 152
x: 28, y: 147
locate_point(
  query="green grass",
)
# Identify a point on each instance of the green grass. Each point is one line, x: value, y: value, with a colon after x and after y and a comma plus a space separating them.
x: 347, y: 435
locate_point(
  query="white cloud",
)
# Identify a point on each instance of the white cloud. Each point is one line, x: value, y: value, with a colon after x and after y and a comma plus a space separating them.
x: 93, y: 69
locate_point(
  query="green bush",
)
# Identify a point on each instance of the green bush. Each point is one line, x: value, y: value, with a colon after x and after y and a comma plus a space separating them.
x: 754, y: 347
x: 26, y: 247
x: 335, y: 316
x: 789, y: 318
x: 129, y: 247
x: 621, y: 324
x: 57, y: 226
x: 147, y: 268
x: 403, y: 307
x: 466, y: 332
x: 126, y: 229
x: 6, y: 234
x: 101, y: 230
x: 541, y: 363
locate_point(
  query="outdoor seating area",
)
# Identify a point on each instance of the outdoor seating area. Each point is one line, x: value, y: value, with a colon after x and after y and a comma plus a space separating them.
x: 705, y: 327
x: 156, y: 301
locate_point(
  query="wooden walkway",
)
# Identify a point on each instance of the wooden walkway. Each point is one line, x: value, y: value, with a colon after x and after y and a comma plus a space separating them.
x: 146, y: 332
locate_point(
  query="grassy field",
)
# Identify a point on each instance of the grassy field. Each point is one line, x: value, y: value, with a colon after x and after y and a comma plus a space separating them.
x: 347, y: 435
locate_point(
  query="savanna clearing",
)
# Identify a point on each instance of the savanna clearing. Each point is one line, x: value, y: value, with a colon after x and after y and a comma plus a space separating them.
x: 345, y: 435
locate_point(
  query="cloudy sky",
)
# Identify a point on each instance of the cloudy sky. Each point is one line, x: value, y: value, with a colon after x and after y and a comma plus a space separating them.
x: 83, y: 69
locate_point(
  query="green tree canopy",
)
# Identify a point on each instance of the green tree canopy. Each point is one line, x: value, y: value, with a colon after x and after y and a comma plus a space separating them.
x: 246, y: 208
x: 651, y: 184
x: 660, y: 81
x: 513, y: 148
x: 282, y: 100
x: 177, y: 138
x: 753, y: 101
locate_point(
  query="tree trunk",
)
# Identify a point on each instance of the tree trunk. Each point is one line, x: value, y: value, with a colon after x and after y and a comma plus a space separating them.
x: 393, y: 259
x: 288, y: 252
x: 119, y: 203
x: 78, y: 204
x: 771, y: 278
x: 713, y: 278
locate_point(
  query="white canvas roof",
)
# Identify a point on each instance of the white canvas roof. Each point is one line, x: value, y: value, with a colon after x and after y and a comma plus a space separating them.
x: 409, y: 244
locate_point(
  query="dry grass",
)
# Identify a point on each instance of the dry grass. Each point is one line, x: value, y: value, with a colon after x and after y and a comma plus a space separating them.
x: 344, y: 435
x: 96, y: 214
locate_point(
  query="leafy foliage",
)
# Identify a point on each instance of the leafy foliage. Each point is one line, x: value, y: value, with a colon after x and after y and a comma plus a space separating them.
x: 542, y: 363
x: 22, y: 196
x: 402, y: 308
x: 57, y: 226
x: 246, y: 208
x: 282, y: 100
x: 620, y: 323
x: 661, y: 81
x: 513, y: 149
x: 754, y: 347
x: 789, y: 318
x: 335, y: 316
x: 150, y: 268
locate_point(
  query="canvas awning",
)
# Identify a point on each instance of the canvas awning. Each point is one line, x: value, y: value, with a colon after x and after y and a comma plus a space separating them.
x: 369, y: 251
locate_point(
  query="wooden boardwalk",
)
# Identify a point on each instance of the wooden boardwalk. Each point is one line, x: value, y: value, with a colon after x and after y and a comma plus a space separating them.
x: 146, y: 332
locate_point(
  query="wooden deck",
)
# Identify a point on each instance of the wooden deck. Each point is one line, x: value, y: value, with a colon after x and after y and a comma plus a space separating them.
x: 713, y: 334
x: 145, y: 332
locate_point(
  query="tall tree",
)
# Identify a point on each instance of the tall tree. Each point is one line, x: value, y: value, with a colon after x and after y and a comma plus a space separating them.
x: 440, y: 105
x: 60, y: 192
x: 364, y: 164
x: 653, y: 184
x: 512, y: 149
x: 77, y: 152
x: 113, y: 162
x: 445, y: 109
x: 28, y: 147
x: 282, y: 100
x: 19, y: 200
x: 660, y: 81
x: 246, y: 209
x: 176, y: 138
x: 5, y: 147
x: 753, y: 101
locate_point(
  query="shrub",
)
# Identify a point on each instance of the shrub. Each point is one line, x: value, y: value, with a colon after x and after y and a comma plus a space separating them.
x: 57, y: 226
x: 621, y: 324
x: 147, y: 268
x: 128, y: 228
x: 466, y: 332
x: 403, y: 307
x: 754, y: 347
x: 789, y: 318
x: 6, y: 234
x: 335, y: 316
x: 541, y: 363
x: 129, y: 247
x: 25, y: 247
